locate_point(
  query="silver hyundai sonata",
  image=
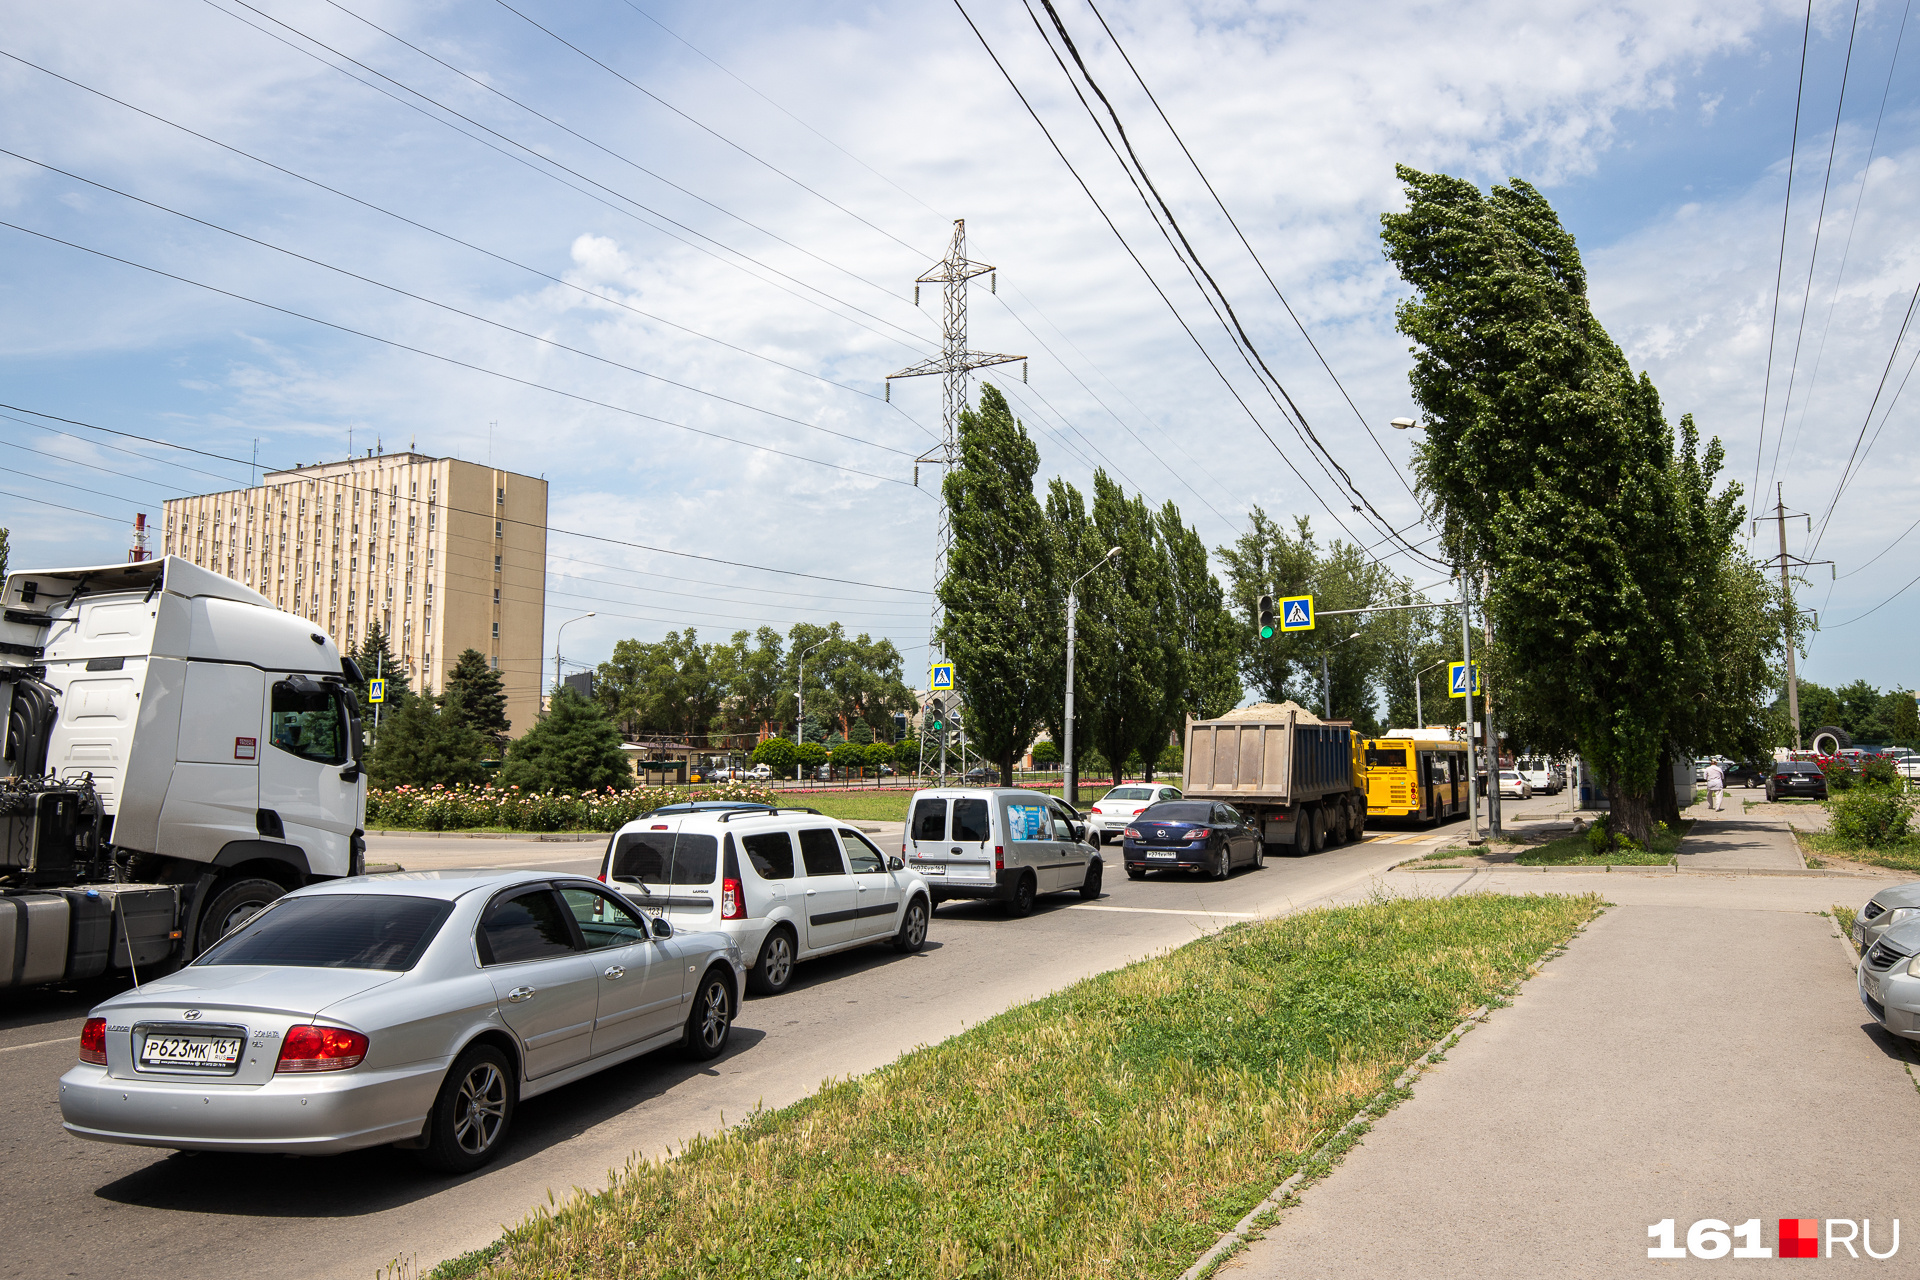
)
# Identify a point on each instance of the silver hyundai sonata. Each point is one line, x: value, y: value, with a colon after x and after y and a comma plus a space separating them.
x: 1893, y: 905
x: 415, y: 1009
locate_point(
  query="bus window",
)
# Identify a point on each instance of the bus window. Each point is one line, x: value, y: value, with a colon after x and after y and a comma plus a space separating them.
x: 1385, y: 758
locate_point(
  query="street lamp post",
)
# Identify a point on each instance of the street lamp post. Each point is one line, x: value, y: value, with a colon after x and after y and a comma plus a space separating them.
x: 800, y: 701
x: 556, y: 653
x: 1073, y: 605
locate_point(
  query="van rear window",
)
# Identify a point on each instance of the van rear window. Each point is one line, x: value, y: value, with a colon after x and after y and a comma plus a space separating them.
x: 930, y: 820
x: 665, y: 857
x: 970, y: 821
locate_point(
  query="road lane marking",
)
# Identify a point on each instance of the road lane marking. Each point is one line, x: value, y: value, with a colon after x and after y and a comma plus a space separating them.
x: 1164, y: 911
x: 37, y: 1044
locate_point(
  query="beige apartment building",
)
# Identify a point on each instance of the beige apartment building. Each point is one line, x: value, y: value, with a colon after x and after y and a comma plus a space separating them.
x: 445, y: 555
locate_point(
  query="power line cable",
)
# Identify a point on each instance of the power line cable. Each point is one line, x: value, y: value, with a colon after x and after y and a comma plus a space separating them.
x: 1780, y: 267
x: 101, y: 444
x: 534, y: 524
x: 1848, y: 471
x: 1813, y: 261
x: 467, y: 244
x: 8, y: 493
x: 463, y: 364
x: 1271, y: 283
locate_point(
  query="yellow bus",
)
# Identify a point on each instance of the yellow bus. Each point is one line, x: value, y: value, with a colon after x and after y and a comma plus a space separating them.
x: 1424, y: 779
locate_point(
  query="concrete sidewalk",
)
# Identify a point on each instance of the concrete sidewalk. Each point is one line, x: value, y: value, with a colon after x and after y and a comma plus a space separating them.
x: 1730, y: 841
x: 1698, y: 1052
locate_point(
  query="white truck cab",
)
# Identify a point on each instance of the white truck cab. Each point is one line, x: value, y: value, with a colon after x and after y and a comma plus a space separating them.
x: 173, y: 736
x: 1003, y: 843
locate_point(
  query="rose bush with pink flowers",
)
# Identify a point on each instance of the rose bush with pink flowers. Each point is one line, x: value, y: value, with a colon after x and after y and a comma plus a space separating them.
x: 465, y: 808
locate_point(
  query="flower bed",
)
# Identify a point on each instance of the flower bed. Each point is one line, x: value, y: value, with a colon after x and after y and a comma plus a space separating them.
x: 465, y: 808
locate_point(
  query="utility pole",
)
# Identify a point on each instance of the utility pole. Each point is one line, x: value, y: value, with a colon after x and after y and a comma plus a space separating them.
x: 1326, y: 689
x: 1466, y: 656
x: 1787, y: 564
x: 954, y: 363
x: 1486, y: 702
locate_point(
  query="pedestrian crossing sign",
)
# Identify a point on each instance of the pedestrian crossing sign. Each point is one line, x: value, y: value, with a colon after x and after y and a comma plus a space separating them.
x: 940, y: 677
x: 1457, y: 678
x: 1296, y: 613
x: 376, y: 691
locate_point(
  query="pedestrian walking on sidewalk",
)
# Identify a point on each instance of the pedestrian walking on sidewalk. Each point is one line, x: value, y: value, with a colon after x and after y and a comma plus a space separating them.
x: 1716, y: 785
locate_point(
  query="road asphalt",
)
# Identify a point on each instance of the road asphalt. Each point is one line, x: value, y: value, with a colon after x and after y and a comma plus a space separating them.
x: 83, y: 1208
x: 1699, y: 1051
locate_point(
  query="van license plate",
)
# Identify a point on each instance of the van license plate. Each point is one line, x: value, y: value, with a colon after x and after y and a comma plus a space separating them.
x: 189, y: 1051
x: 931, y: 868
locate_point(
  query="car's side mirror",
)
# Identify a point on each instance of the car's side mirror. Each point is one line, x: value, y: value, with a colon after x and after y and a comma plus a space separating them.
x: 1079, y: 831
x: 662, y: 927
x: 894, y: 863
x: 351, y: 773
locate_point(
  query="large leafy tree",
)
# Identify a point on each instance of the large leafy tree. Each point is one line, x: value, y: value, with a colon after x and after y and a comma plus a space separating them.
x: 1552, y: 465
x: 575, y: 747
x: 750, y: 670
x: 427, y: 741
x: 481, y: 697
x: 1200, y: 677
x: 999, y: 582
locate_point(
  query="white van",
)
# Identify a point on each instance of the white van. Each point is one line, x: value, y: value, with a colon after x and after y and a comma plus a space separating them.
x: 786, y: 885
x: 1540, y: 774
x: 1003, y: 843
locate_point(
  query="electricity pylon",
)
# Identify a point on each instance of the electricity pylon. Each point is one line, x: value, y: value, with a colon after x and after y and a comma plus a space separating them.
x: 954, y: 363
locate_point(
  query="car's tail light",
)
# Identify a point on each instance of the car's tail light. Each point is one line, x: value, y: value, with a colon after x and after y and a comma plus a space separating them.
x: 93, y: 1042
x: 1131, y: 833
x: 733, y: 904
x: 999, y: 858
x: 602, y: 877
x: 311, y: 1048
x: 1098, y: 809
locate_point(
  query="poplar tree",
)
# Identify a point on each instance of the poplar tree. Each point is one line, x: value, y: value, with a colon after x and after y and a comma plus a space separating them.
x: 998, y: 593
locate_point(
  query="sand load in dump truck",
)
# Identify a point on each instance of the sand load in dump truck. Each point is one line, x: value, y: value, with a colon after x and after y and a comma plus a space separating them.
x: 1301, y: 780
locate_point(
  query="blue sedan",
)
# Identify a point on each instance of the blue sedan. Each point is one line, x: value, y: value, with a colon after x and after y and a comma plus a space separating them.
x: 1192, y: 836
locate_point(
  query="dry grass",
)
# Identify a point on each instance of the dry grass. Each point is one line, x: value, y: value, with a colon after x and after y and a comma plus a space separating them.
x: 1113, y: 1129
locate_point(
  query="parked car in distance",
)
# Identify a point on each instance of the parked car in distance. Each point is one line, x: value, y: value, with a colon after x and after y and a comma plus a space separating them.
x: 1008, y: 845
x: 1512, y: 784
x: 983, y: 775
x: 396, y: 1009
x: 761, y: 773
x: 1747, y: 775
x: 1192, y: 836
x: 1111, y: 813
x: 1893, y: 905
x: 783, y: 885
x: 1889, y: 978
x: 1796, y: 778
x: 1541, y: 774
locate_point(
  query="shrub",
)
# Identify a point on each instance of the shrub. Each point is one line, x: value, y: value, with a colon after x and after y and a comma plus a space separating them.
x: 1869, y: 816
x: 510, y: 808
x: 1879, y: 772
x: 1840, y: 775
x: 1600, y: 835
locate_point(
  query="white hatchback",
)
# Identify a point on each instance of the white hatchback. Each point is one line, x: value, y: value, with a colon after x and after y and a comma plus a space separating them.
x: 1113, y: 811
x: 786, y: 885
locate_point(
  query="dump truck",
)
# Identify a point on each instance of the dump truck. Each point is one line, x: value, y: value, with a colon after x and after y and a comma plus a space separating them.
x: 1299, y: 779
x: 178, y: 753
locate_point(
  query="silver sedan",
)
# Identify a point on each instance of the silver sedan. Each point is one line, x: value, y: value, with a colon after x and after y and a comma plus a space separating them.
x: 1889, y: 979
x: 415, y: 1009
x: 1893, y: 905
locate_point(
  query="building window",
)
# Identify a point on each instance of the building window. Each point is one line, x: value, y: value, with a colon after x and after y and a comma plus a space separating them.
x: 496, y: 595
x: 499, y: 529
x: 496, y: 564
x: 496, y: 631
x: 501, y: 498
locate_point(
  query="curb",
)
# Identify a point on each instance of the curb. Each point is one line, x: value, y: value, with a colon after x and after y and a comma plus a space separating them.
x: 1241, y: 1229
x: 1834, y: 873
x: 544, y: 837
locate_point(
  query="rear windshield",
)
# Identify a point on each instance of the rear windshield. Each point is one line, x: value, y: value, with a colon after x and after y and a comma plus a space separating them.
x: 930, y: 820
x: 1383, y: 758
x: 1796, y: 766
x: 665, y: 857
x: 336, y: 931
x: 1130, y: 793
x: 1178, y: 811
x: 970, y: 820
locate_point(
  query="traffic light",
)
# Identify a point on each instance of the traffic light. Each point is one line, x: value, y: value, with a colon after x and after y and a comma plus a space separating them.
x: 938, y: 709
x: 1267, y: 621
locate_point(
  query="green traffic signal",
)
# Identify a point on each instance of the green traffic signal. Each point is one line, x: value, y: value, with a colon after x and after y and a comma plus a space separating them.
x: 1266, y: 633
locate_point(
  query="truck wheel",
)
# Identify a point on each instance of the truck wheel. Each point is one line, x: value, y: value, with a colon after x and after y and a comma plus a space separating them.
x: 1317, y: 821
x: 1359, y: 826
x: 233, y: 905
x: 1336, y: 826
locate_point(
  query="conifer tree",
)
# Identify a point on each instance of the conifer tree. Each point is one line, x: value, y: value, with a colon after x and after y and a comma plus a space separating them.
x: 576, y: 747
x: 482, y: 698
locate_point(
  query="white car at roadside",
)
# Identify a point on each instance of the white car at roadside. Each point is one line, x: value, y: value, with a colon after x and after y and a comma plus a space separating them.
x: 1110, y: 814
x: 1514, y: 786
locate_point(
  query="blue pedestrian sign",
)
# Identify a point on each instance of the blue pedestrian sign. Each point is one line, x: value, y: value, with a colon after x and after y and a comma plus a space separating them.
x: 1457, y: 678
x: 376, y: 691
x: 1296, y: 613
x: 940, y: 677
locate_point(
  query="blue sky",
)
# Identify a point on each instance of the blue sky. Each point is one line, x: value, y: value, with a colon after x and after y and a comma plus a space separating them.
x: 1660, y: 130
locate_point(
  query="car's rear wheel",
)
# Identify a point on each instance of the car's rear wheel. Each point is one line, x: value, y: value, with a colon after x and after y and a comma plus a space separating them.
x: 710, y: 1021
x: 772, y: 972
x: 1136, y: 873
x: 1223, y: 861
x: 1024, y: 893
x: 1259, y: 854
x: 1090, y: 887
x: 233, y: 905
x: 913, y: 927
x: 473, y: 1112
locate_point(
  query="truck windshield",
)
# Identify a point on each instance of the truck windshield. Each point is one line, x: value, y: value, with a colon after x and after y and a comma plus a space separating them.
x: 335, y: 931
x: 665, y: 857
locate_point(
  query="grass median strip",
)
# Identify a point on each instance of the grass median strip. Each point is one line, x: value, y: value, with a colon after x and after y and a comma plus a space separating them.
x: 1112, y: 1129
